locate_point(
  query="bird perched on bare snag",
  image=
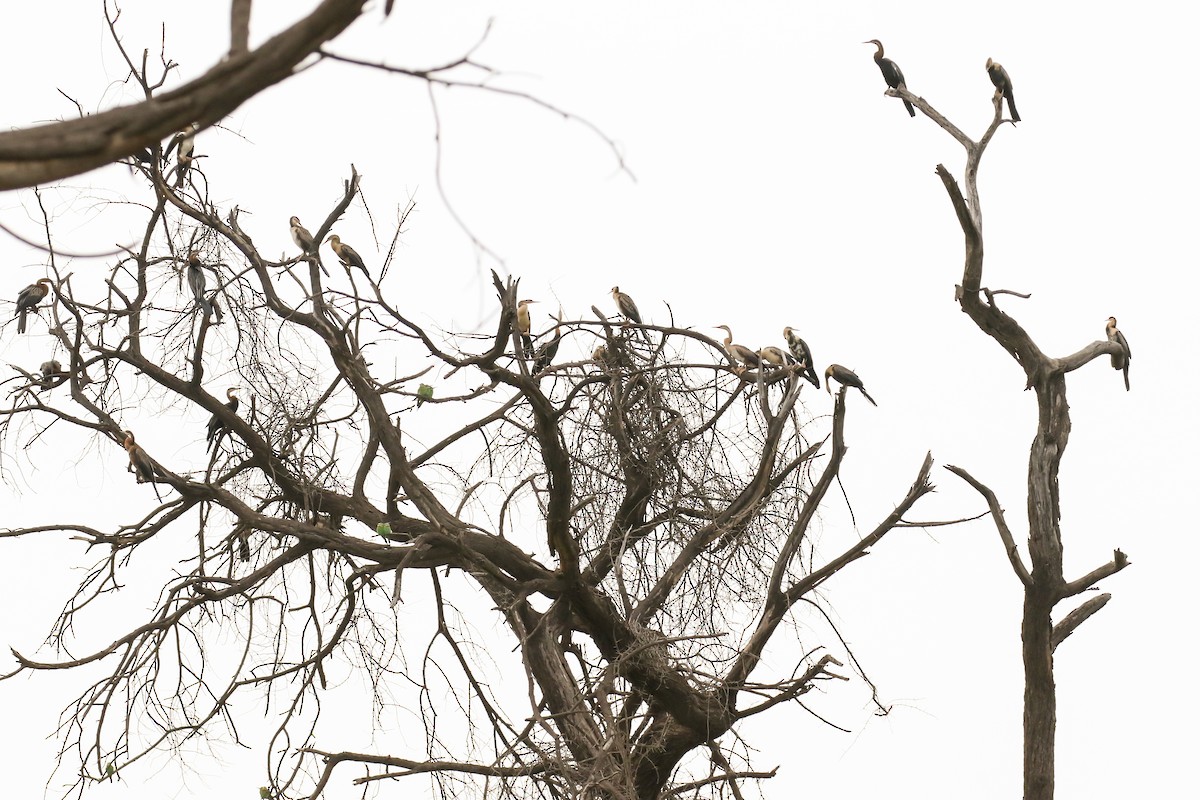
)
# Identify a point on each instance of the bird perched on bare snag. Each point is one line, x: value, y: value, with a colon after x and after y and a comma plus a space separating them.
x: 803, y: 356
x: 1121, y: 361
x: 524, y: 325
x: 140, y: 464
x: 891, y: 73
x: 28, y: 298
x: 1003, y: 85
x: 197, y: 283
x: 215, y: 424
x: 738, y: 352
x: 347, y: 254
x: 546, y: 351
x: 301, y: 236
x: 628, y: 308
x: 846, y: 377
x: 185, y: 140
x: 773, y: 356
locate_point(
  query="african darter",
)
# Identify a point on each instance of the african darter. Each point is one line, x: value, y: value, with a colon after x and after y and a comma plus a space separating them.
x: 846, y: 377
x: 891, y: 73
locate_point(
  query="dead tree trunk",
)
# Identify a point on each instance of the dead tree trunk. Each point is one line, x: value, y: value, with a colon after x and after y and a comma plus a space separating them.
x: 1043, y: 579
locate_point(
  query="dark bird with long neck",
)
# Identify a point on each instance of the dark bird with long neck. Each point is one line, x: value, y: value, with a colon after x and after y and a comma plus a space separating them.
x: 216, y: 425
x: 628, y: 309
x: 846, y: 377
x: 29, y: 297
x: 891, y: 73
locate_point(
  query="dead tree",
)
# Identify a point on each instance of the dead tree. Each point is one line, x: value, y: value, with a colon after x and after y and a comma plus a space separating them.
x: 639, y: 525
x: 1042, y: 578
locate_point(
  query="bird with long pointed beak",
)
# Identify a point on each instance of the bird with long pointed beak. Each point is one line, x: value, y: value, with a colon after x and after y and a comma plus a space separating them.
x: 140, y: 464
x: 524, y: 325
x: 197, y: 282
x: 301, y: 236
x: 1003, y: 84
x: 29, y: 297
x: 185, y: 140
x: 347, y: 254
x: 216, y: 425
x: 802, y: 355
x: 1121, y: 361
x: 304, y: 240
x: 628, y: 309
x: 846, y: 377
x: 738, y: 352
x: 892, y: 75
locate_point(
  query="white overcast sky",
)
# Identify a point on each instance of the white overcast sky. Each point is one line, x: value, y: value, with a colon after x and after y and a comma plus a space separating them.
x: 775, y: 185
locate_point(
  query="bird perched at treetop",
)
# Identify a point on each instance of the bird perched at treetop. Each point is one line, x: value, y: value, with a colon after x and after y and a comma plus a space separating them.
x: 846, y: 377
x: 892, y: 75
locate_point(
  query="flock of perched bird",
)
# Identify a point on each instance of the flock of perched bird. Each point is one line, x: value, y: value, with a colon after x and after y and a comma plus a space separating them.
x: 798, y: 356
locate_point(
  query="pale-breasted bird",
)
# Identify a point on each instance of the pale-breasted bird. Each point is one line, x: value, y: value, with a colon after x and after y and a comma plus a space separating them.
x: 1003, y: 84
x: 892, y: 75
x: 140, y: 463
x: 524, y: 325
x: 197, y: 283
x: 347, y: 254
x: 29, y: 297
x: 1121, y: 361
x: 185, y: 140
x: 846, y: 377
x: 803, y: 356
x: 774, y: 356
x: 304, y: 240
x: 738, y: 352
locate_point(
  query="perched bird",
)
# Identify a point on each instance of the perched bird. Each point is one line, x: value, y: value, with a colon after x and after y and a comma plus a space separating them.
x: 739, y: 353
x: 1003, y: 84
x: 891, y: 73
x: 524, y: 326
x: 29, y: 297
x: 140, y: 463
x: 216, y: 425
x: 600, y: 355
x: 185, y: 140
x: 304, y: 240
x: 197, y: 282
x: 1121, y: 361
x: 347, y: 254
x: 803, y: 356
x: 628, y: 309
x: 52, y: 374
x: 774, y: 356
x: 301, y: 236
x: 548, y: 350
x: 846, y: 377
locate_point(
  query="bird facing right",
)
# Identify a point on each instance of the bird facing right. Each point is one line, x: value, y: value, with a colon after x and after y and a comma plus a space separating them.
x: 1121, y: 361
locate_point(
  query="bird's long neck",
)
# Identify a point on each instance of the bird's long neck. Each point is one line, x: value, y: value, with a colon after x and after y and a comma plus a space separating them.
x: 879, y: 51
